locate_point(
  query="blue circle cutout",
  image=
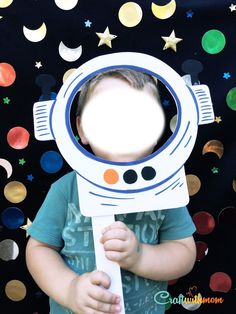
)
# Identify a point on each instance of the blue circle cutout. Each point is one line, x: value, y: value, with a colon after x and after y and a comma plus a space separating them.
x: 51, y: 162
x: 12, y: 217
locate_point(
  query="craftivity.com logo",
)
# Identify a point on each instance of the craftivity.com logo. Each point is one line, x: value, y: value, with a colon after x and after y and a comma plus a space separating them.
x: 192, y: 299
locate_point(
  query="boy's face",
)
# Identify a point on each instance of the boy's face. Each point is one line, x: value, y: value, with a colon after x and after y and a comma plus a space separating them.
x: 119, y: 122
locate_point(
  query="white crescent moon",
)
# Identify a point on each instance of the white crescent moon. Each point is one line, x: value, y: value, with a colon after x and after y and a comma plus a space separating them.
x: 5, y: 3
x: 7, y: 166
x: 69, y: 54
x: 164, y: 11
x: 66, y: 4
x: 35, y: 35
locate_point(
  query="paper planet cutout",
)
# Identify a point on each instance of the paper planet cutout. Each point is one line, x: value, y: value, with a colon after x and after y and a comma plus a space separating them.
x: 214, y: 146
x: 66, y: 4
x: 204, y: 222
x: 172, y: 282
x: 227, y: 216
x: 67, y: 74
x: 12, y: 217
x: 202, y: 250
x: 231, y: 98
x: 51, y: 162
x: 15, y: 192
x: 192, y: 306
x: 15, y: 290
x: 9, y: 250
x: 221, y: 282
x: 7, y: 166
x: 35, y: 35
x: 5, y: 3
x: 7, y: 74
x: 213, y: 41
x: 130, y: 14
x: 234, y: 185
x: 193, y: 183
x: 164, y: 11
x: 69, y: 54
x: 18, y: 137
x: 173, y: 123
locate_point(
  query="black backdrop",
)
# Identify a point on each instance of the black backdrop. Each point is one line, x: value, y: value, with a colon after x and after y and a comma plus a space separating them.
x: 216, y: 197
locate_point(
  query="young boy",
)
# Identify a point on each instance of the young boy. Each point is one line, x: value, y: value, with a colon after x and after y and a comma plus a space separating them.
x: 151, y: 248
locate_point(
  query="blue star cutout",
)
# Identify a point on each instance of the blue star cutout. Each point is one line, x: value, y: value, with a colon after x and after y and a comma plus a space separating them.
x: 30, y: 177
x: 226, y: 75
x: 189, y: 14
x: 88, y: 23
x: 166, y: 103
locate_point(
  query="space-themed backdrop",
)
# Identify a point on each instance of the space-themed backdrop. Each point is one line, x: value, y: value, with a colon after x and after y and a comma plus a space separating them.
x: 41, y: 43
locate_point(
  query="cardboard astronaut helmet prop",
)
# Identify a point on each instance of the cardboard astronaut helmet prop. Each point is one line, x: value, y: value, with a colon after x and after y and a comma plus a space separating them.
x: 154, y: 182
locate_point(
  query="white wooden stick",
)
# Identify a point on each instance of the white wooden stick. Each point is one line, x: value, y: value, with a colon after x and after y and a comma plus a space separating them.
x: 102, y: 263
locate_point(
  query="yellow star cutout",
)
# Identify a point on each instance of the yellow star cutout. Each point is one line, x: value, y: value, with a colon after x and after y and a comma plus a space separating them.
x: 232, y: 7
x: 171, y: 41
x: 218, y: 119
x: 106, y: 38
x: 25, y: 227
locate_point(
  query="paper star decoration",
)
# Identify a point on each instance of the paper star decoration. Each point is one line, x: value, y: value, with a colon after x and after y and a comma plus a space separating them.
x: 226, y: 75
x: 26, y: 227
x: 38, y: 64
x: 6, y: 100
x: 106, y: 38
x: 88, y: 23
x: 189, y: 14
x: 171, y: 41
x: 232, y: 7
x: 30, y: 177
x: 218, y: 119
x: 22, y: 161
x: 215, y: 170
x: 166, y: 103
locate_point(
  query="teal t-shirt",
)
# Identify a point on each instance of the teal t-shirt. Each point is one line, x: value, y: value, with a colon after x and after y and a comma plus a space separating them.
x: 59, y: 223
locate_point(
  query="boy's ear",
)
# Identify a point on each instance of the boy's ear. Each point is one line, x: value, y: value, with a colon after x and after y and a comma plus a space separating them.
x: 80, y: 131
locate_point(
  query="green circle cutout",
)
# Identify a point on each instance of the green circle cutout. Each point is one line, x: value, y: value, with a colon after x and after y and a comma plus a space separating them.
x: 231, y: 98
x: 213, y: 41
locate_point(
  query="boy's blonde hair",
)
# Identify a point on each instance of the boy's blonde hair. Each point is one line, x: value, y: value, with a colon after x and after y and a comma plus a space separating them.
x: 136, y: 79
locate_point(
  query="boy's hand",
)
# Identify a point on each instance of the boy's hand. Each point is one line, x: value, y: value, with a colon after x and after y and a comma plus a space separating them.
x: 121, y: 245
x: 88, y: 294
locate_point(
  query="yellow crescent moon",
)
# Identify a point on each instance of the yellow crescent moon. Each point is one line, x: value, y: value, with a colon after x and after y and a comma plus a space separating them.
x: 7, y: 166
x: 66, y: 4
x: 5, y: 3
x: 164, y: 11
x: 214, y: 146
x: 35, y: 35
x: 69, y: 54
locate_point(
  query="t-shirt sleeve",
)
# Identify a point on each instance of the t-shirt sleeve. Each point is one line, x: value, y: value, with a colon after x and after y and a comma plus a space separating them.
x: 177, y: 224
x: 49, y: 222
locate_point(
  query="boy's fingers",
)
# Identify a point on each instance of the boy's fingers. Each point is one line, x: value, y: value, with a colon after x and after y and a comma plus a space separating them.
x: 102, y: 307
x: 120, y: 234
x: 114, y: 245
x: 100, y: 278
x: 102, y: 295
x: 116, y: 224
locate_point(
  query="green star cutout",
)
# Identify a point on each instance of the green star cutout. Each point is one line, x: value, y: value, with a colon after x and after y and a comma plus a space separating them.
x: 6, y: 100
x: 22, y: 161
x: 77, y: 138
x: 215, y: 170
